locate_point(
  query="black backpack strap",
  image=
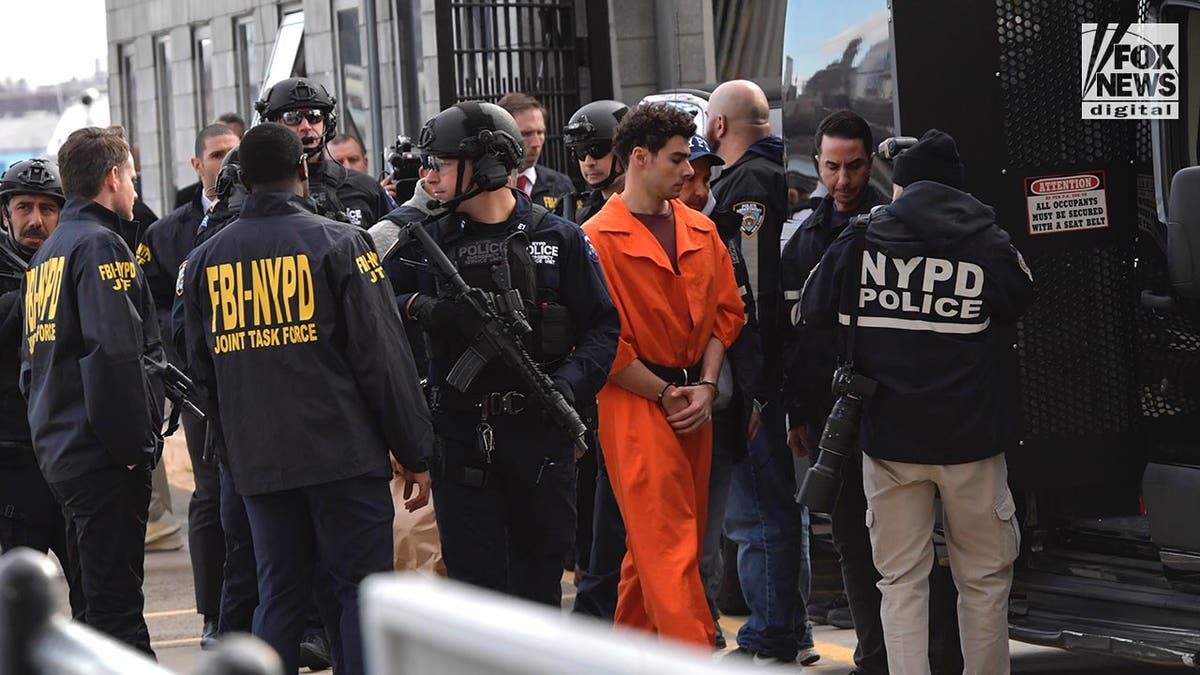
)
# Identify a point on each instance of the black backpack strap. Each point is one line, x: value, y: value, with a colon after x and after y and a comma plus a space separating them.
x: 539, y: 214
x: 333, y: 177
x: 854, y: 285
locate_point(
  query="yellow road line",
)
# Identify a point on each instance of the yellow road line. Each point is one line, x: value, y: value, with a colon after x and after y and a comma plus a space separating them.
x: 176, y: 643
x: 832, y: 652
x: 170, y: 612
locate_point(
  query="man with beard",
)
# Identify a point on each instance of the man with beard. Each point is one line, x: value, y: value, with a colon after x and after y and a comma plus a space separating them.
x: 95, y: 411
x: 310, y: 112
x: 31, y: 199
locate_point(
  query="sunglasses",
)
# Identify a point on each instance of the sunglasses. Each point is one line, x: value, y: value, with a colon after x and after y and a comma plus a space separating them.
x: 597, y: 149
x: 438, y: 164
x: 294, y: 117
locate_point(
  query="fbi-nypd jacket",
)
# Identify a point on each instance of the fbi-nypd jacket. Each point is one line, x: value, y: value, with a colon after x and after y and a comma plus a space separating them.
x: 567, y: 273
x: 938, y: 296
x: 89, y: 327
x: 294, y: 341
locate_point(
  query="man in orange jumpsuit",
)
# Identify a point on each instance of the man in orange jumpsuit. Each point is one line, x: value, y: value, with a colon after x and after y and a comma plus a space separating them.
x: 671, y: 279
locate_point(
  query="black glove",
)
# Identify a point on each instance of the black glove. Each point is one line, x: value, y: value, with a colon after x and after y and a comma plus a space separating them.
x: 564, y: 388
x: 439, y: 317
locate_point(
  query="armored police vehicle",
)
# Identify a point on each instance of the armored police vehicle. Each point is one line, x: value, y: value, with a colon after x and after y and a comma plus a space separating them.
x: 1073, y: 118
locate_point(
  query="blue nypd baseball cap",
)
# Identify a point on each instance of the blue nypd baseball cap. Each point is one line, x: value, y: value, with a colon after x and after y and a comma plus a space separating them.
x: 700, y: 149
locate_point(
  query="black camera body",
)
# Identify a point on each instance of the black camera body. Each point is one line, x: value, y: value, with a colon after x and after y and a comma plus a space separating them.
x: 405, y: 163
x: 849, y: 382
x: 838, y: 440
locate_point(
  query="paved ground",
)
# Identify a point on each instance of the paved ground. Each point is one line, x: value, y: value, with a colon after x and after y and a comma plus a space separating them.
x: 175, y: 627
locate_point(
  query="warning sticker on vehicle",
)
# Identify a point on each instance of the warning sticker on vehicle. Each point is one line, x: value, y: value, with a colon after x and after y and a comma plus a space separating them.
x: 1066, y: 203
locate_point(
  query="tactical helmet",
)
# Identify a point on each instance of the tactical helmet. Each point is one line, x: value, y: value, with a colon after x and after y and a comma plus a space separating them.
x: 297, y: 93
x: 32, y: 177
x: 596, y: 121
x: 483, y: 133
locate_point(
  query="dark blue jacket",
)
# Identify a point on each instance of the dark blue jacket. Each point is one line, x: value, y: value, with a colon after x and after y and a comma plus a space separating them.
x: 165, y: 246
x: 294, y: 341
x: 809, y: 356
x: 89, y: 328
x: 551, y: 187
x: 567, y: 273
x: 941, y: 290
x: 363, y: 200
x: 754, y: 188
x: 16, y: 442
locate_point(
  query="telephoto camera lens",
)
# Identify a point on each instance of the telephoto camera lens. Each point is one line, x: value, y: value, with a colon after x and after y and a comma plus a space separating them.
x: 821, y: 483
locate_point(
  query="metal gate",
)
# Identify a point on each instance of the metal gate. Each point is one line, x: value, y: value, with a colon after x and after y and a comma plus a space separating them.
x: 489, y: 48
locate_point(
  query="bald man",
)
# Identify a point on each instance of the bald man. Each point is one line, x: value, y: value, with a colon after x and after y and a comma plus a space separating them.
x: 761, y: 515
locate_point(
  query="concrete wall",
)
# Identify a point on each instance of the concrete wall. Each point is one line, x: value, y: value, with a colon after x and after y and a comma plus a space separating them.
x: 137, y: 23
x: 635, y: 46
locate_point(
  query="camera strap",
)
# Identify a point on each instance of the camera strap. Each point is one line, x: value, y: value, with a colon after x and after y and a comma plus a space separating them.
x: 860, y: 225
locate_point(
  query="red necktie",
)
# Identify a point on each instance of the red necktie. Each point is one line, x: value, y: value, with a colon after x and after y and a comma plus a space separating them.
x: 523, y: 184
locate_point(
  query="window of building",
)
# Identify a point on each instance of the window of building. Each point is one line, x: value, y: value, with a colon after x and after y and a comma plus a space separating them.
x: 128, y: 83
x: 287, y: 54
x: 248, y: 70
x: 353, y: 98
x: 202, y: 51
x: 163, y: 91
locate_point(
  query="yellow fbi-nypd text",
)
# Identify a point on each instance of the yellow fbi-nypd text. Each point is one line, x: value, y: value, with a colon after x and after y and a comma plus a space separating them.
x: 268, y: 302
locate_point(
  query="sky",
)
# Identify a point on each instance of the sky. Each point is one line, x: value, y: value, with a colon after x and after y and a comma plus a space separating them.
x: 48, y: 41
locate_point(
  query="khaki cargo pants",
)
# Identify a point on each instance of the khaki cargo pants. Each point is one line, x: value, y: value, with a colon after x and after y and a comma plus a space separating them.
x: 982, y: 537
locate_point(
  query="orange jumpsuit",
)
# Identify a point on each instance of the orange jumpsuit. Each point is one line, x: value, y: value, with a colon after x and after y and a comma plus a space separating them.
x: 660, y: 479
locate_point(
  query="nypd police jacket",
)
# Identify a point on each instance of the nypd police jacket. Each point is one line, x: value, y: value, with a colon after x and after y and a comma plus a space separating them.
x: 89, y: 327
x: 938, y: 296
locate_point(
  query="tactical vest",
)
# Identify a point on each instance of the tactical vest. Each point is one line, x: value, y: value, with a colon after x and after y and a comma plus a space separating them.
x: 324, y: 192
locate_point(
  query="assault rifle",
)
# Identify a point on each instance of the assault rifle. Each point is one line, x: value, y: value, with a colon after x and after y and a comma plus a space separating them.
x: 500, y: 334
x: 178, y: 388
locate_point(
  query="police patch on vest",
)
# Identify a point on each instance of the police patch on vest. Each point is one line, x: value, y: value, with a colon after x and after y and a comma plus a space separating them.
x: 355, y: 216
x: 482, y: 252
x: 753, y: 214
x: 549, y: 202
x: 179, y: 278
x: 543, y: 253
x: 143, y: 254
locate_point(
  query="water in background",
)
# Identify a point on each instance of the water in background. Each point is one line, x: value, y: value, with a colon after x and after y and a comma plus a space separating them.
x: 10, y: 157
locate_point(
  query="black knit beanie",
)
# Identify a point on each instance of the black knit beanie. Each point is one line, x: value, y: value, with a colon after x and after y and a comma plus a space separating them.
x: 934, y: 158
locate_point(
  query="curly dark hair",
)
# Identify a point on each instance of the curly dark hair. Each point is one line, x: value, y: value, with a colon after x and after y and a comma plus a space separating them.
x: 650, y: 126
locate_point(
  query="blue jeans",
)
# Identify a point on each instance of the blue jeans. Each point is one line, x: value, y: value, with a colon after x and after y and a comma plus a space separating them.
x: 771, y: 531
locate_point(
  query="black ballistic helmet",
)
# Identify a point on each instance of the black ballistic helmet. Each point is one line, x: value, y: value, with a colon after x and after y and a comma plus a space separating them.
x: 297, y: 93
x: 483, y: 133
x: 596, y: 121
x: 32, y: 177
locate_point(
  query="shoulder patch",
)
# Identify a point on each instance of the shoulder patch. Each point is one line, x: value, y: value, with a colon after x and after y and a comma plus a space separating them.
x: 549, y: 202
x: 592, y: 254
x: 143, y: 254
x: 179, y: 278
x: 753, y: 214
